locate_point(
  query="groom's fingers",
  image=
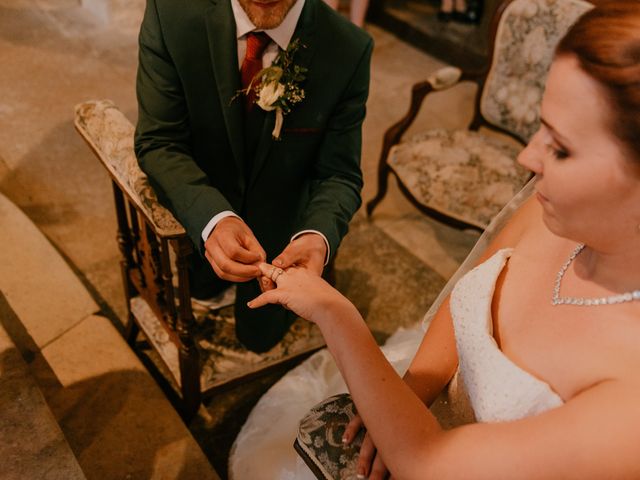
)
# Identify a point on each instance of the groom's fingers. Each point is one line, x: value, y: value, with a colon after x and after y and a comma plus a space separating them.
x: 229, y: 272
x: 308, y: 251
x: 250, y: 242
x: 232, y: 238
x: 242, y: 255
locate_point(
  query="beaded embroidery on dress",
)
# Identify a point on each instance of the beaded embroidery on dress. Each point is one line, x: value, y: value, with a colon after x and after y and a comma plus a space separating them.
x: 497, y: 388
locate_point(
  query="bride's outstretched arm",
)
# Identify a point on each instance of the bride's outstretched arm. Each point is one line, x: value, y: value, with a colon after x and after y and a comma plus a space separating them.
x: 584, y: 439
x: 431, y: 369
x: 365, y: 369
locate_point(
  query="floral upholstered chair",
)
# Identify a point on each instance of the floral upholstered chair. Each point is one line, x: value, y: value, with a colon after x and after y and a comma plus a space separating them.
x: 464, y: 177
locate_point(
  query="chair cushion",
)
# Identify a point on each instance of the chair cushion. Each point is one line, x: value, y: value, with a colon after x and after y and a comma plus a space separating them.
x: 463, y: 174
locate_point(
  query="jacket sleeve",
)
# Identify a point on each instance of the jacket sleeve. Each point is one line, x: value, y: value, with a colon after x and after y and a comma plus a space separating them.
x: 163, y: 137
x: 337, y: 177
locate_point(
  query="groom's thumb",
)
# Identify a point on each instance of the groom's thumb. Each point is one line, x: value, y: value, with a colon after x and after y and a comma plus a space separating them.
x: 282, y: 261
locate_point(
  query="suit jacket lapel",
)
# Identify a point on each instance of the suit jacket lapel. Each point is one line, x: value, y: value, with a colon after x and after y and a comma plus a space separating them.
x: 223, y: 47
x: 305, y: 31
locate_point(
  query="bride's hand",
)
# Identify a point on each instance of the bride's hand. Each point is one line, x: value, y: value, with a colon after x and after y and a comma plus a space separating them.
x: 370, y: 464
x: 302, y: 292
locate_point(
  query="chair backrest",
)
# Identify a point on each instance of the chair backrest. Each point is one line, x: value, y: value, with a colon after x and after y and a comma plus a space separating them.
x: 524, y: 43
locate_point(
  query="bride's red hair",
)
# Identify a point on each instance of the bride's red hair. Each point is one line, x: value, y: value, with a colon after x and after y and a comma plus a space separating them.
x: 606, y: 41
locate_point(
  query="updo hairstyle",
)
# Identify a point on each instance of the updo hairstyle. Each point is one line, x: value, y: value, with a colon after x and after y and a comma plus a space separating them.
x: 606, y: 42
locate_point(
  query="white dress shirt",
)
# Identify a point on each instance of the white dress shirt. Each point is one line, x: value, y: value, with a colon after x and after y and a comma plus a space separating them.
x: 280, y: 38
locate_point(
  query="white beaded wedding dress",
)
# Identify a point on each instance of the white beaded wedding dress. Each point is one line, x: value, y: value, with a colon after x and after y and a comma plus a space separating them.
x: 494, y: 387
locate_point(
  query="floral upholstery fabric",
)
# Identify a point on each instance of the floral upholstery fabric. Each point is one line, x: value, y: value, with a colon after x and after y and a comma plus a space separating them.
x: 320, y: 438
x: 463, y: 174
x: 110, y: 134
x: 525, y: 42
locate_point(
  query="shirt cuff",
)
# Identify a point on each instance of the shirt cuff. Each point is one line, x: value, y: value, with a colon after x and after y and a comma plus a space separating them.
x: 326, y: 242
x: 208, y: 228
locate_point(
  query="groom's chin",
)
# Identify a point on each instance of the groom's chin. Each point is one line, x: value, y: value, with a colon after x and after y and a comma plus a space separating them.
x: 267, y: 14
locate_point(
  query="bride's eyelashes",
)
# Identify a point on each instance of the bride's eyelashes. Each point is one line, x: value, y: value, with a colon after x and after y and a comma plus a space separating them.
x: 551, y: 143
x: 554, y: 148
x: 557, y: 152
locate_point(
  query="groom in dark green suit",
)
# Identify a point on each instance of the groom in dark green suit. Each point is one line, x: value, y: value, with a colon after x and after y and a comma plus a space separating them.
x: 243, y: 196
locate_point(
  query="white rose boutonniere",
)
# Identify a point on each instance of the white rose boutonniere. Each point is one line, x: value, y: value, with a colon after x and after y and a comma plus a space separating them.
x: 278, y: 87
x: 269, y: 94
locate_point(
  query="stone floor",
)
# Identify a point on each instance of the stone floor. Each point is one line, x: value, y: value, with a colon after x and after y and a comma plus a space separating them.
x: 463, y: 45
x: 80, y: 404
x: 57, y: 53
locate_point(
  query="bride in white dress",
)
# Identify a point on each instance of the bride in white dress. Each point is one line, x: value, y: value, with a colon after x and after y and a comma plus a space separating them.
x: 544, y: 333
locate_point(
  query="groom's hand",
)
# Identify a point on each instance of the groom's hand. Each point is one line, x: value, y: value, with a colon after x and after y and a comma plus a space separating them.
x: 233, y: 251
x: 306, y: 251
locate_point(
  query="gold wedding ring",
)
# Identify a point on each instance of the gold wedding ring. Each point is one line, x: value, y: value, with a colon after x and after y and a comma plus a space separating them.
x: 275, y: 273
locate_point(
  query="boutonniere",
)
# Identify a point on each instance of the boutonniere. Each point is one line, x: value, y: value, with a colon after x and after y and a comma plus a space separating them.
x: 278, y: 87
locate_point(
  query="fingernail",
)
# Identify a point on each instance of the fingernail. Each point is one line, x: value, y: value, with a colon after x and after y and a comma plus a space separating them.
x: 265, y: 282
x: 345, y: 439
x: 360, y: 475
x: 249, y: 304
x: 277, y: 262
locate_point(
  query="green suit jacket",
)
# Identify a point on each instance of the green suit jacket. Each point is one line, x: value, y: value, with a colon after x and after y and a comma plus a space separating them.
x: 190, y: 136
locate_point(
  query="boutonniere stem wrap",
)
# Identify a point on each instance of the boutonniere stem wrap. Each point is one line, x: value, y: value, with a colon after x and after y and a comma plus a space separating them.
x: 278, y: 87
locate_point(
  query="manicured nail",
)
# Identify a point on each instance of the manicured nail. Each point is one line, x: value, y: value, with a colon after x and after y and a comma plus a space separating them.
x: 277, y: 262
x: 345, y: 439
x: 360, y: 475
x: 249, y: 304
x: 265, y: 282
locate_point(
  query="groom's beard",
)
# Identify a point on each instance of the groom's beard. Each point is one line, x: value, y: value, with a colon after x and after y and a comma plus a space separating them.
x: 266, y: 14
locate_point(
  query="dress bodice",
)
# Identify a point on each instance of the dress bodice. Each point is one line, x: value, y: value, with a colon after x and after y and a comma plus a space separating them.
x: 497, y: 388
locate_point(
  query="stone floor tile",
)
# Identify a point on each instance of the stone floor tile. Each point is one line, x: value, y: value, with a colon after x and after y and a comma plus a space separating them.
x: 115, y: 417
x: 91, y: 348
x: 37, y: 283
x: 32, y: 446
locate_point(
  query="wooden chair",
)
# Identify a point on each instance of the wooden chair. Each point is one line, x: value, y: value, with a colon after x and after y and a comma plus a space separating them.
x: 197, y: 348
x: 464, y: 177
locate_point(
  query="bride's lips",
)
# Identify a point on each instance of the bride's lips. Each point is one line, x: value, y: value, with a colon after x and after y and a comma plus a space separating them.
x: 541, y: 197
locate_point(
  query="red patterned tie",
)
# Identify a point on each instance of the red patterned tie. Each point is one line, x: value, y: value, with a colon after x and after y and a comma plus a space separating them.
x: 252, y: 63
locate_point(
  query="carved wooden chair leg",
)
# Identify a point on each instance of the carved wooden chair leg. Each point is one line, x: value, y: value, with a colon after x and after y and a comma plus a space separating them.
x: 125, y: 246
x: 383, y: 182
x: 188, y: 354
x: 167, y: 276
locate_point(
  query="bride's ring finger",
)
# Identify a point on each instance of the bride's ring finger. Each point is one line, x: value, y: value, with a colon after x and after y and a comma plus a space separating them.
x: 275, y: 273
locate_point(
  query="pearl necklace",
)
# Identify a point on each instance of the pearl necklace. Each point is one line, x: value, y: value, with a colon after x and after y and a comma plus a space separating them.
x: 556, y: 299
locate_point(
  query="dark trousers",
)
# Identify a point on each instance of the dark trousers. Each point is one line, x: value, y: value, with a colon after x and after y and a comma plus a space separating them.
x: 258, y: 330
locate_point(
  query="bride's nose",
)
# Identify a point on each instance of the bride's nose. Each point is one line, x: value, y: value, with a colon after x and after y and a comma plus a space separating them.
x: 531, y: 156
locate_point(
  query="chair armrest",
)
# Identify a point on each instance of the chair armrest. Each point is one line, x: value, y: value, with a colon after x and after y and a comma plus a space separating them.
x: 444, y: 78
x: 441, y: 79
x: 110, y: 135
